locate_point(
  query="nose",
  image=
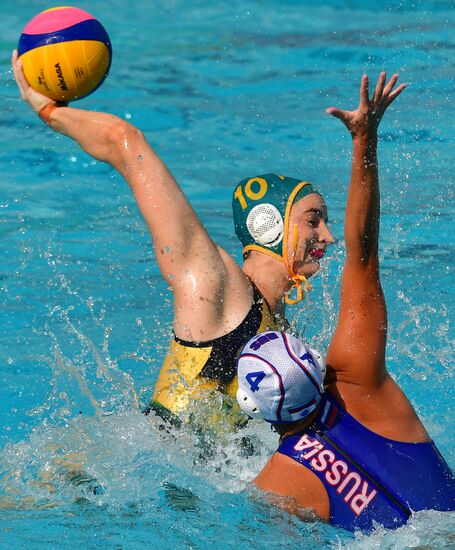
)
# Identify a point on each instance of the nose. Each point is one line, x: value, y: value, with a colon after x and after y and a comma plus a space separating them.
x: 325, y: 235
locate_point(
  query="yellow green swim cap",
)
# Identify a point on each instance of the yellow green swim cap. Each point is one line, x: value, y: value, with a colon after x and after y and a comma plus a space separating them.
x: 261, y: 206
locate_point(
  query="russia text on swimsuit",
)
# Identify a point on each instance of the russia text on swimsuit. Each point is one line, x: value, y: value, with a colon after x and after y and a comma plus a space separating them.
x: 337, y: 473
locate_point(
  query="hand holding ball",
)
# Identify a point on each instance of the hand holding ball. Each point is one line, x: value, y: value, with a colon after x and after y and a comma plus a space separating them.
x: 65, y: 52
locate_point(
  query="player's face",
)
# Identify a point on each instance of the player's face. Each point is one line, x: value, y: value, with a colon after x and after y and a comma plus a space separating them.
x: 310, y: 216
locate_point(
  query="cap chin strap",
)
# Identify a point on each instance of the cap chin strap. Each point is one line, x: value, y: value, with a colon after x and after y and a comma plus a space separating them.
x: 297, y: 279
x: 300, y: 281
x: 301, y: 285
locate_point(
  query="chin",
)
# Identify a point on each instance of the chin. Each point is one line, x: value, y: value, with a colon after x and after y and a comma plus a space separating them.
x: 309, y: 269
x: 313, y: 271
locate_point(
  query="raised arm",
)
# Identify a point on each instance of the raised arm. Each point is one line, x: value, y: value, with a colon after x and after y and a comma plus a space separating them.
x: 357, y: 352
x: 195, y: 267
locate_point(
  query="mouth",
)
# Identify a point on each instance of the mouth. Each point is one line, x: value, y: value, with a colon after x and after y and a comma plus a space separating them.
x: 316, y: 253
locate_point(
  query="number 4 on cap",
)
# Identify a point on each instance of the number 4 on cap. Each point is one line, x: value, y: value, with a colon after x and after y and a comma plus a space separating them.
x: 254, y: 379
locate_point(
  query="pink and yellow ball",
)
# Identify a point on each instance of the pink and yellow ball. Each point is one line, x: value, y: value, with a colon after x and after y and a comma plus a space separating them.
x: 66, y: 53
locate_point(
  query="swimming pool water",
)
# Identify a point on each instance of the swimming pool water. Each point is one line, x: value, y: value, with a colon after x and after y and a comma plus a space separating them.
x: 222, y: 91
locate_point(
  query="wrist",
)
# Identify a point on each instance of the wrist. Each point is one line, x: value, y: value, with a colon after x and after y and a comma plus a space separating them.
x: 365, y: 147
x: 368, y: 145
x: 365, y: 140
x: 45, y: 112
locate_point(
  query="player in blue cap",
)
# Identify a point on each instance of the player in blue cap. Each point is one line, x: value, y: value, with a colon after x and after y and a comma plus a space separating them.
x: 352, y: 449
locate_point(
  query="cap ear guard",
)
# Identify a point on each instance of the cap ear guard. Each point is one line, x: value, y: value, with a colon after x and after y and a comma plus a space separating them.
x: 248, y: 404
x: 265, y: 225
x: 320, y: 361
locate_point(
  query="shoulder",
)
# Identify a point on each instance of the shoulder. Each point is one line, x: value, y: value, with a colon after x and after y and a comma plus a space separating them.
x: 383, y: 409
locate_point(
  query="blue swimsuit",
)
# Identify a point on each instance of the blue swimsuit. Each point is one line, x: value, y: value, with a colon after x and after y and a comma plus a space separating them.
x: 369, y: 478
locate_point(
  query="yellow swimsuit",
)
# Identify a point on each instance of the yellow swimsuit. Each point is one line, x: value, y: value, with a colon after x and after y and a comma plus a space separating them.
x: 196, y: 370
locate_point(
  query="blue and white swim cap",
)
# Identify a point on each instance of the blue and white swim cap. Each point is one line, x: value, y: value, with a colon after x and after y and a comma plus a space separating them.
x: 280, y: 379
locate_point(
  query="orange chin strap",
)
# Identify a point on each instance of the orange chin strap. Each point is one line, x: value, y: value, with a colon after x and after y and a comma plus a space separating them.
x: 301, y: 285
x: 300, y: 281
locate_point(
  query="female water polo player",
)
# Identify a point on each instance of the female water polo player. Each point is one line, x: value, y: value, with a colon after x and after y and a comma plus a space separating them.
x: 218, y: 305
x: 351, y: 451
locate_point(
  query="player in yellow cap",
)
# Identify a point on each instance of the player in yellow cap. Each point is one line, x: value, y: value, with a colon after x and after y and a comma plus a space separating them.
x: 218, y: 304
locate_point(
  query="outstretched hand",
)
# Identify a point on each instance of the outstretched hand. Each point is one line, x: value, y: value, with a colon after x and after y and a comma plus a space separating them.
x: 364, y: 121
x: 36, y: 100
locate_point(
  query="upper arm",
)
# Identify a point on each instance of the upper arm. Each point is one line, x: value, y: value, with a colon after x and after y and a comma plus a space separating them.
x: 178, y: 234
x: 357, y: 351
x: 211, y: 293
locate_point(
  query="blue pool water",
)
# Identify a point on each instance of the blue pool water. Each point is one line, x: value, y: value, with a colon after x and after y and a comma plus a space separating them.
x: 222, y: 90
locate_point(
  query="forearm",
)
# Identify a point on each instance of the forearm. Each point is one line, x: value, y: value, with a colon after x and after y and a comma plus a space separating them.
x: 361, y: 230
x: 178, y: 235
x: 111, y: 139
x: 169, y: 216
x: 99, y: 134
x: 362, y: 211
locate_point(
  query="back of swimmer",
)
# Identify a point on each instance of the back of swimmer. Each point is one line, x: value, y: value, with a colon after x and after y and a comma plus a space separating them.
x: 327, y: 461
x: 352, y: 449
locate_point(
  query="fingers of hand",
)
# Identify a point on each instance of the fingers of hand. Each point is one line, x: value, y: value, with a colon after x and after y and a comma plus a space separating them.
x: 390, y: 84
x: 394, y: 94
x: 338, y: 113
x: 36, y: 100
x: 14, y: 66
x: 364, y: 99
x: 19, y: 75
x: 378, y: 92
x: 387, y: 90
